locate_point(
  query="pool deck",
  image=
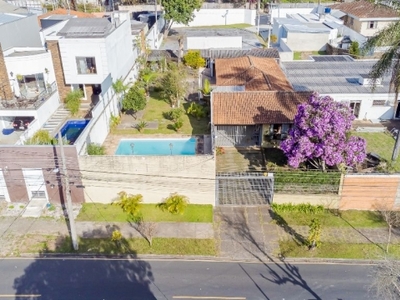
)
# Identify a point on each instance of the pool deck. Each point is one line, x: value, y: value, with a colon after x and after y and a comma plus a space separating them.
x: 112, y: 141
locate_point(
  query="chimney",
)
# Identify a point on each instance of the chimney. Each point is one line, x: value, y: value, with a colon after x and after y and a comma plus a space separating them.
x: 6, y: 92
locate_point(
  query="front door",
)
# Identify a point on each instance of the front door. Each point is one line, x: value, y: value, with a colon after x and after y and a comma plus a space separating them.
x: 355, y: 108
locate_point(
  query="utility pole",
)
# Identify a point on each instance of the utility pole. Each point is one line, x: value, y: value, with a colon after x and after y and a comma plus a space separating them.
x: 258, y: 16
x: 155, y: 26
x: 396, y: 147
x: 67, y: 194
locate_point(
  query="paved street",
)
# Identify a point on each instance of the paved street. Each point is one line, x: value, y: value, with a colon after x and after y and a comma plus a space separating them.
x: 81, y: 279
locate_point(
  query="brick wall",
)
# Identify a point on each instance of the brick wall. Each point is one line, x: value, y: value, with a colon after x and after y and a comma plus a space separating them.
x: 5, y: 88
x: 369, y: 192
x: 154, y: 177
x: 63, y: 88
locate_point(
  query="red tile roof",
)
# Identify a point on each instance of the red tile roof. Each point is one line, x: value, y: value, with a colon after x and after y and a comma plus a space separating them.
x: 255, y: 73
x: 366, y: 9
x: 249, y: 108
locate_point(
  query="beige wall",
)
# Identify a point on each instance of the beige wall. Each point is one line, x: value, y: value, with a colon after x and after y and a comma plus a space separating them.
x: 155, y: 177
x: 364, y: 30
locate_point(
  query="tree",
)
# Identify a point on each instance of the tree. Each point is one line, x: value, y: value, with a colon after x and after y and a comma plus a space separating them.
x: 134, y: 100
x: 386, y: 279
x: 354, y: 49
x: 392, y: 219
x: 174, y: 204
x: 193, y: 59
x: 119, y: 87
x: 314, y: 234
x: 174, y: 85
x: 321, y: 135
x: 148, y: 76
x: 43, y: 137
x: 179, y: 11
x: 389, y: 61
x: 73, y: 101
x: 130, y: 204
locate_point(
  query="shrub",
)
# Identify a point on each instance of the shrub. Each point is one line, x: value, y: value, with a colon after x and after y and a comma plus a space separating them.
x: 116, y: 236
x: 130, y: 204
x: 196, y: 110
x: 178, y: 124
x: 43, y: 137
x: 73, y: 101
x: 174, y: 204
x: 114, y: 121
x: 193, y: 59
x: 141, y: 125
x: 219, y: 150
x: 95, y: 149
x: 305, y: 208
x: 206, y: 90
x: 174, y: 114
x: 135, y: 99
x: 354, y: 49
x: 314, y: 234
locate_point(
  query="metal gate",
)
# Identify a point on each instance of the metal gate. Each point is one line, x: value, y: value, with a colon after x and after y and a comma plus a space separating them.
x: 244, y: 188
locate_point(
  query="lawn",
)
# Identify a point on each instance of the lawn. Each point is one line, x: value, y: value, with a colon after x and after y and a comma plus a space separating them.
x: 381, y: 143
x: 304, y: 55
x: 348, y: 218
x: 290, y: 248
x: 154, y: 112
x: 97, y: 212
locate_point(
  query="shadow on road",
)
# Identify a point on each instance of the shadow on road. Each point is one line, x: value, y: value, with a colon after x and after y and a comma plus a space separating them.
x: 58, y: 279
x: 291, y: 273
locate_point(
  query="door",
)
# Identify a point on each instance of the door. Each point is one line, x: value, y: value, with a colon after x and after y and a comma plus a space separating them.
x: 355, y: 107
x: 3, y: 188
x: 35, y: 184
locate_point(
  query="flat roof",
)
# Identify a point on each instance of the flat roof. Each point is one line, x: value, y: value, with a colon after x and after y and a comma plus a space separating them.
x: 86, y: 28
x: 26, y: 53
x: 10, y: 17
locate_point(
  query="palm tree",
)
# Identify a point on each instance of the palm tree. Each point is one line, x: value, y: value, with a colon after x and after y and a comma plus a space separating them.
x: 147, y: 78
x: 120, y: 88
x: 390, y: 60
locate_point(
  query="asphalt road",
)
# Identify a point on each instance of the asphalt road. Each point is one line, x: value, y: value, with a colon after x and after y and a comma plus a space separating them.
x: 85, y: 279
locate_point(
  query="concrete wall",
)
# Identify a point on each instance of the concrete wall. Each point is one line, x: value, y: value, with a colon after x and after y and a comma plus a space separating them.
x: 299, y: 41
x: 285, y: 53
x: 328, y: 201
x: 213, y: 42
x: 369, y: 192
x: 155, y: 177
x: 209, y: 17
x: 20, y: 33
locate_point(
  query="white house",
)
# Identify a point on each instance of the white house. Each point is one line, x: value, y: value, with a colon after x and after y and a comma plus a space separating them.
x: 345, y: 80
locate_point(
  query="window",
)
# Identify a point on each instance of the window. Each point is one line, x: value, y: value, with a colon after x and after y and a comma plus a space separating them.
x: 86, y: 65
x: 378, y: 102
x: 30, y: 85
x: 372, y: 25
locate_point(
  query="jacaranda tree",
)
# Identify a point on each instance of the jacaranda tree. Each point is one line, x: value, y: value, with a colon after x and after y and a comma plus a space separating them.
x: 321, y: 135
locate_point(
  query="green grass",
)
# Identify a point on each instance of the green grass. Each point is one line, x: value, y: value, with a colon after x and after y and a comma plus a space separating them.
x: 290, y: 248
x: 237, y: 26
x: 298, y: 55
x: 97, y: 212
x: 381, y: 143
x: 136, y: 246
x: 348, y: 218
x: 154, y: 112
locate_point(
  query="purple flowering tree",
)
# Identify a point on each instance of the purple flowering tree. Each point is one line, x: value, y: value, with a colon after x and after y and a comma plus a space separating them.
x: 321, y: 135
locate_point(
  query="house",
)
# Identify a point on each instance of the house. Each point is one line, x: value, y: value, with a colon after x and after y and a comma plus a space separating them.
x: 28, y: 89
x: 366, y: 17
x: 345, y: 80
x: 45, y: 18
x: 252, y: 103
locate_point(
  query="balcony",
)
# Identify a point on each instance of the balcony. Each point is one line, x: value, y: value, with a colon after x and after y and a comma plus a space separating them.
x: 29, y: 101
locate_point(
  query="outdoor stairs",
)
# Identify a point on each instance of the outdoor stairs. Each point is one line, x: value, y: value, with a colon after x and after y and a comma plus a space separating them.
x: 56, y: 120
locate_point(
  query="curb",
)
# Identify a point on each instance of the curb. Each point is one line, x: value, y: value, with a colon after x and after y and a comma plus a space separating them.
x: 200, y: 258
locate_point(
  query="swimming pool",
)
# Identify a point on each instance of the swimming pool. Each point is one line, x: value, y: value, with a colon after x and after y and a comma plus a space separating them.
x: 72, y: 129
x: 157, y: 147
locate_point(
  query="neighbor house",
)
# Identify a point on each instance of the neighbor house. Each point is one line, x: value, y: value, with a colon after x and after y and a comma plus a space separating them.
x: 253, y: 103
x: 346, y: 80
x: 366, y: 17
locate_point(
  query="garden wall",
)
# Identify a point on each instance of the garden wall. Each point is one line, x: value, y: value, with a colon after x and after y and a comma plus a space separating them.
x: 369, y: 192
x: 155, y: 177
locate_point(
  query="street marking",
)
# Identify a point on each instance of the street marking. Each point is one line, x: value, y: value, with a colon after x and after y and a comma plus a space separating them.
x: 208, y: 297
x: 20, y: 296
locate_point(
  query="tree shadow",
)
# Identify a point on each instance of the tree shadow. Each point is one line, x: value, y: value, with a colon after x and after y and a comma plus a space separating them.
x: 291, y: 273
x: 275, y: 156
x: 201, y: 125
x: 58, y: 279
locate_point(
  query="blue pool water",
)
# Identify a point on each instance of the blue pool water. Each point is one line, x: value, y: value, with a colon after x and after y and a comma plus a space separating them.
x: 157, y: 147
x: 72, y: 129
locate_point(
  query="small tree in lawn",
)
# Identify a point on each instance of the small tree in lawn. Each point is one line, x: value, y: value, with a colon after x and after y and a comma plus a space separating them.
x: 130, y: 204
x: 179, y: 11
x: 174, y: 85
x: 174, y: 204
x: 314, y: 234
x: 135, y: 100
x: 321, y: 135
x: 148, y: 76
x: 392, y: 219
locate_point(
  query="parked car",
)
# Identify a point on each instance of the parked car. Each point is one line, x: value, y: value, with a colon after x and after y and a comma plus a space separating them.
x: 22, y: 123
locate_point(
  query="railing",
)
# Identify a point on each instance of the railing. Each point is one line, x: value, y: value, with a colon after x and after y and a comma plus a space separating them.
x: 33, y: 103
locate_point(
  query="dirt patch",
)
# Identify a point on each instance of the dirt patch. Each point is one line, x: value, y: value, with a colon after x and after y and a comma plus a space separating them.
x: 39, y: 243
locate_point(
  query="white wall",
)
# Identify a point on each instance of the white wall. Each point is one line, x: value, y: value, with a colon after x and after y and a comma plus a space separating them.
x: 31, y: 64
x: 300, y: 41
x: 153, y: 41
x: 283, y: 12
x: 48, y: 108
x: 84, y: 47
x: 209, y: 17
x: 285, y: 53
x: 354, y: 35
x: 204, y: 42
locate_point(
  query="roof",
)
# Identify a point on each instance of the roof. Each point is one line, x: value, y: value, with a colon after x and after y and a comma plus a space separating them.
x: 224, y: 53
x: 62, y: 11
x: 249, y: 108
x: 365, y: 9
x: 255, y: 73
x: 86, y: 28
x: 7, y: 18
x: 9, y: 8
x: 26, y: 53
x: 332, y: 76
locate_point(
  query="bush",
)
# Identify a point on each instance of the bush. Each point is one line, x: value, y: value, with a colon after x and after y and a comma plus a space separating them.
x: 130, y: 204
x: 178, y: 124
x: 174, y: 204
x: 95, y: 149
x: 354, y: 50
x: 174, y: 114
x: 196, y: 110
x: 141, y: 126
x: 193, y: 59
x: 115, y: 121
x: 305, y: 208
x: 73, y: 101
